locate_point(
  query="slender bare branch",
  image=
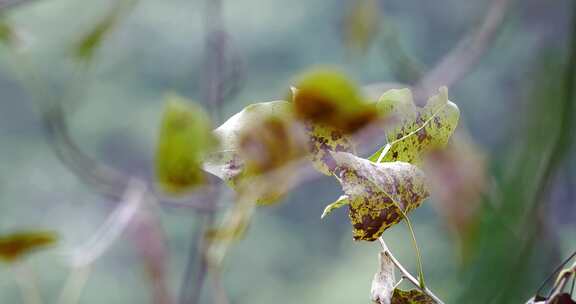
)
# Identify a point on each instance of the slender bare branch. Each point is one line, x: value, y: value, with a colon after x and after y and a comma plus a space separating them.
x: 467, y: 52
x: 461, y: 59
x: 9, y: 4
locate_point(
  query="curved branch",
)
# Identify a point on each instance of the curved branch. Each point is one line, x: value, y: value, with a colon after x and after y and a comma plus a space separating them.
x: 460, y: 60
x: 467, y: 52
x: 104, y: 179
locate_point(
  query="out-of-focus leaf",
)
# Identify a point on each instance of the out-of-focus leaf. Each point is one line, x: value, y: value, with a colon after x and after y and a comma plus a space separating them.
x: 256, y: 141
x: 361, y: 25
x: 377, y: 191
x: 418, y: 130
x: 413, y: 296
x: 458, y: 178
x: 326, y: 97
x: 85, y: 48
x: 341, y: 202
x: 383, y: 281
x: 16, y: 245
x: 7, y: 35
x: 185, y: 138
x: 322, y: 141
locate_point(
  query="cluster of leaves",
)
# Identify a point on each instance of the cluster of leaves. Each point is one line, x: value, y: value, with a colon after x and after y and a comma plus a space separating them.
x: 257, y: 151
x: 323, y: 113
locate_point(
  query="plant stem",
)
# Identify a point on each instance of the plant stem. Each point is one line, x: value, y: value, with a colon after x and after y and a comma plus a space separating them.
x: 418, y: 256
x: 28, y: 284
x: 407, y: 274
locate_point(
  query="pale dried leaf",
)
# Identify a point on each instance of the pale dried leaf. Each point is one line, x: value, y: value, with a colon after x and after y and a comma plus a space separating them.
x: 384, y: 281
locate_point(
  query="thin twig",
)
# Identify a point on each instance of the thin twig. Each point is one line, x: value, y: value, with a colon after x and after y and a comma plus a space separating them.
x: 9, y: 4
x: 467, y: 52
x: 460, y: 60
x: 407, y: 274
x: 74, y: 285
x: 214, y: 53
x: 28, y: 283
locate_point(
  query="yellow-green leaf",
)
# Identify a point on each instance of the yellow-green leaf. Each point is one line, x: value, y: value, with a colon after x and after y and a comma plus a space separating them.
x: 16, y: 245
x: 379, y: 194
x: 7, y: 34
x: 185, y: 138
x: 340, y: 202
x: 417, y: 130
x: 327, y: 97
x: 261, y: 138
x: 413, y: 296
x: 361, y: 25
x: 85, y: 48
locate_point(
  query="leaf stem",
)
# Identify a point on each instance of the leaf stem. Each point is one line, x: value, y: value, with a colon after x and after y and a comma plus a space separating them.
x: 407, y: 274
x: 415, y: 244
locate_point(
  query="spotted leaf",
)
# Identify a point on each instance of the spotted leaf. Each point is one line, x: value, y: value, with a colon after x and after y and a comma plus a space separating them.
x: 413, y: 296
x: 328, y: 98
x: 379, y: 194
x: 185, y: 138
x: 417, y: 130
x: 322, y: 140
x: 258, y: 140
x: 16, y: 245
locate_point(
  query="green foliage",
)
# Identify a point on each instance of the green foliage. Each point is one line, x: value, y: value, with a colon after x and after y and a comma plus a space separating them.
x: 340, y: 202
x: 86, y: 47
x: 417, y: 130
x: 380, y: 194
x: 17, y: 245
x: 7, y: 34
x: 185, y: 138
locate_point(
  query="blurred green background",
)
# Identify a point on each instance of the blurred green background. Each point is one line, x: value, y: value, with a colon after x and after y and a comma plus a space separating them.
x: 511, y: 102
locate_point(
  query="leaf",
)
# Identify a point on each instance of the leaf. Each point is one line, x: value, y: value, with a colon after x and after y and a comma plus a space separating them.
x: 16, y: 245
x: 458, y: 173
x: 7, y: 33
x: 361, y: 25
x: 260, y: 139
x: 377, y: 192
x: 341, y: 202
x: 419, y: 130
x: 85, y: 48
x: 323, y: 140
x: 185, y: 138
x: 327, y: 97
x: 383, y: 281
x: 413, y: 296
